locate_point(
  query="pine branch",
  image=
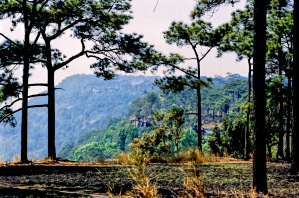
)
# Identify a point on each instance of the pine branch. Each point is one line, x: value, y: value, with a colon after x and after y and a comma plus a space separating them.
x: 3, y: 117
x: 19, y: 99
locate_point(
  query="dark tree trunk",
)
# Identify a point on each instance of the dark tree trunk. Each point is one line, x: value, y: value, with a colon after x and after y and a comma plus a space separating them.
x: 280, y: 153
x: 24, y: 125
x: 295, y: 132
x: 199, y: 135
x: 199, y: 124
x: 289, y: 120
x: 246, y: 135
x: 51, y: 101
x: 26, y: 54
x: 177, y: 148
x: 51, y: 115
x: 259, y: 98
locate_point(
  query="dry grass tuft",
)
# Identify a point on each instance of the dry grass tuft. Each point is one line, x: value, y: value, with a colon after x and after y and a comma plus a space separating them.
x: 185, y: 156
x: 124, y: 158
x: 193, y: 182
x: 16, y: 159
x: 251, y: 194
x: 188, y: 155
x: 143, y: 185
x: 120, y: 195
x: 193, y: 154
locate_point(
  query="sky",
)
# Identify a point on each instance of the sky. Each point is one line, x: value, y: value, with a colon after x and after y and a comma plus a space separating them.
x: 150, y: 19
x: 153, y: 17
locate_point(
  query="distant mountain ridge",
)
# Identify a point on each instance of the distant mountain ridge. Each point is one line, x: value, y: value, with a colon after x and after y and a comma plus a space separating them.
x: 83, y: 102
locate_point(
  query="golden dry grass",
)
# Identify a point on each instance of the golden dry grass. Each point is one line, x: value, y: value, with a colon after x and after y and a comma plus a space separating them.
x: 143, y: 185
x: 16, y: 159
x: 185, y: 156
x: 124, y: 158
x: 251, y: 194
x: 194, y: 155
x: 193, y: 182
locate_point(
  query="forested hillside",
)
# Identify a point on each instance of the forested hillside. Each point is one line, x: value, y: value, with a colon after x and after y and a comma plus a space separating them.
x: 83, y: 102
x: 89, y: 105
x: 224, y: 98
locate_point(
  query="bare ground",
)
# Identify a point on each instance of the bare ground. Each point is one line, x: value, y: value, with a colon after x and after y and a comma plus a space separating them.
x: 64, y: 179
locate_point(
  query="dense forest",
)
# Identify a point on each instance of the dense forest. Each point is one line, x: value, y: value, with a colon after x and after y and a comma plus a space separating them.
x: 222, y: 99
x: 255, y: 118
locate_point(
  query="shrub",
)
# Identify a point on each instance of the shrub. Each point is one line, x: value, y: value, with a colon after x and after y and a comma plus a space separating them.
x: 95, y: 151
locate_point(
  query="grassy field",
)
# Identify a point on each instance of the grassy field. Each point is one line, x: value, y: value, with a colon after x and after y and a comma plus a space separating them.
x: 231, y: 179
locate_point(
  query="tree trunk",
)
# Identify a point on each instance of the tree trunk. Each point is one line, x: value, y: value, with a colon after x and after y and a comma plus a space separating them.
x: 24, y: 125
x: 246, y: 135
x: 51, y: 115
x: 289, y: 120
x: 259, y: 98
x: 280, y: 153
x: 177, y: 148
x: 295, y: 132
x: 26, y: 54
x: 51, y: 101
x: 199, y: 133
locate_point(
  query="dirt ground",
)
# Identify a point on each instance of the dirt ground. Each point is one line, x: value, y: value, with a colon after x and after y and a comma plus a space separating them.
x: 64, y: 179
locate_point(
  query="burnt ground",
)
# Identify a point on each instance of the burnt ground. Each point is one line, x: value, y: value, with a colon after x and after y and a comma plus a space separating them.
x: 97, y: 180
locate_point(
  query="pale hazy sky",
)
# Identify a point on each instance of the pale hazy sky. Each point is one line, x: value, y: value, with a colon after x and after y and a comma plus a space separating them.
x: 151, y: 23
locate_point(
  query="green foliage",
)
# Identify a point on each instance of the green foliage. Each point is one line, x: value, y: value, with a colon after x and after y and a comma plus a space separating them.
x: 158, y: 140
x: 95, y: 151
x: 203, y: 7
x: 169, y: 125
x: 227, y: 139
x: 117, y: 132
x: 8, y: 58
x: 274, y: 95
x: 188, y: 140
x: 280, y: 29
x: 237, y: 35
x: 67, y: 152
x: 233, y: 136
x: 167, y: 131
x: 198, y: 33
x: 225, y: 100
x: 151, y: 145
x: 9, y: 87
x: 9, y: 90
x: 215, y: 141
